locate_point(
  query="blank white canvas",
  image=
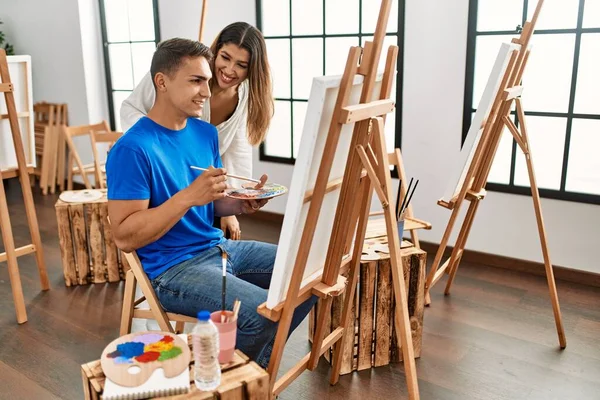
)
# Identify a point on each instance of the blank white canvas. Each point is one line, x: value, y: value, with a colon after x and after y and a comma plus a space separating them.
x: 19, y: 68
x: 462, y: 163
x: 321, y: 104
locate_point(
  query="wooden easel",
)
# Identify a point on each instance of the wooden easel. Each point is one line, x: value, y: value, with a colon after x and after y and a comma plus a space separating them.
x: 367, y: 169
x: 202, y: 20
x: 473, y: 188
x: 11, y: 253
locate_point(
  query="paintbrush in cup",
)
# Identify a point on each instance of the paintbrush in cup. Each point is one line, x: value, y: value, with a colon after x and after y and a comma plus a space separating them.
x: 224, y: 286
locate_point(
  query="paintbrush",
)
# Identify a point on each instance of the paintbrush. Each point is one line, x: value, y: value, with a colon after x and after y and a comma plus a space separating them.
x: 405, y: 196
x: 243, y: 178
x: 224, y: 286
x: 410, y: 197
x: 398, y: 200
x: 236, y: 309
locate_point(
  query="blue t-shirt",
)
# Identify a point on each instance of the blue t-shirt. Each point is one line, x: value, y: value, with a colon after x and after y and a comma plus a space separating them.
x: 153, y: 162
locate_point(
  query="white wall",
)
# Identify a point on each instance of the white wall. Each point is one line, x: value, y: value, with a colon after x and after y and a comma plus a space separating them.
x: 64, y: 41
x: 49, y: 32
x: 434, y: 73
x: 182, y: 18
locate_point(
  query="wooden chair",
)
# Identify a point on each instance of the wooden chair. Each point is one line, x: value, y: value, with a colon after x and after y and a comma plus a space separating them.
x: 99, y: 167
x: 49, y: 118
x: 70, y: 132
x: 136, y: 276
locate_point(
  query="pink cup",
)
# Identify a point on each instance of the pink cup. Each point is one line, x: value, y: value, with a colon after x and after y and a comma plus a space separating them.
x: 227, y: 333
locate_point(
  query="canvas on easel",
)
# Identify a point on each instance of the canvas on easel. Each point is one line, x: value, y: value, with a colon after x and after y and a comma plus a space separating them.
x: 350, y: 138
x: 10, y: 252
x: 485, y: 135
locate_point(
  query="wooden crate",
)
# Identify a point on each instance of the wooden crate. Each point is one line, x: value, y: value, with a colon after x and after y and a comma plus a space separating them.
x: 371, y: 341
x: 241, y: 379
x: 87, y: 248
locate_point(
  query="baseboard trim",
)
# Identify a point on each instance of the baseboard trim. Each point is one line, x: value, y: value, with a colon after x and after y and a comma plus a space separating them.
x: 513, y: 264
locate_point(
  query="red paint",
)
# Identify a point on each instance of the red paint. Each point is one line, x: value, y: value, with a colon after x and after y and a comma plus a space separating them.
x: 148, y: 357
x: 167, y: 339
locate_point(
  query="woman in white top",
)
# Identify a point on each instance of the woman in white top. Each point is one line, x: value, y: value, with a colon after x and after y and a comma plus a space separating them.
x: 241, y: 104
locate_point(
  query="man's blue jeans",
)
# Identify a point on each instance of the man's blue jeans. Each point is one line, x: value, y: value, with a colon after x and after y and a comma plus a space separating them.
x: 195, y: 285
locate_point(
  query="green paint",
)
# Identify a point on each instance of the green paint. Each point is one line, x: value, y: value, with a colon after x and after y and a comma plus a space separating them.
x: 166, y: 355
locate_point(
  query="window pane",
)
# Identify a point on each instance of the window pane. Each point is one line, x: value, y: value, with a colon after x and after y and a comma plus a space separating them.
x: 387, y: 42
x: 279, y: 139
x: 141, y: 20
x: 555, y: 14
x: 118, y: 98
x: 275, y: 17
x: 307, y: 63
x: 547, y: 78
x: 547, y: 141
x: 500, y: 171
x: 591, y: 14
x: 141, y: 54
x: 299, y: 116
x: 370, y: 13
x: 279, y: 50
x: 336, y: 53
x: 120, y: 66
x: 307, y: 17
x: 341, y: 16
x: 587, y: 100
x: 494, y: 15
x: 117, y: 22
x: 584, y: 163
x: 486, y: 52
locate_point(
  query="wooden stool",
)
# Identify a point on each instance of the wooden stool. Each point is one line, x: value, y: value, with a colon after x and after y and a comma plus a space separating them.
x: 87, y: 248
x: 241, y: 379
x: 372, y: 340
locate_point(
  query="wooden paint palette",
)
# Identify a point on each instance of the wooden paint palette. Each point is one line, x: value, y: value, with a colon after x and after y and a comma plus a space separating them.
x: 131, y: 359
x: 247, y: 192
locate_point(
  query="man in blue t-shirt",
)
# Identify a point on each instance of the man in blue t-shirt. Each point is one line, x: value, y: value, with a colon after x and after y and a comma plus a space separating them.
x: 164, y: 210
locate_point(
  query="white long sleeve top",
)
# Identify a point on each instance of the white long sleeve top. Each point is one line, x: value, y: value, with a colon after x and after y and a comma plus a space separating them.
x: 235, y: 150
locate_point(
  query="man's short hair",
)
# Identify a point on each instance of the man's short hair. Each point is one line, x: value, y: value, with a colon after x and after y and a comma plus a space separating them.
x: 169, y: 55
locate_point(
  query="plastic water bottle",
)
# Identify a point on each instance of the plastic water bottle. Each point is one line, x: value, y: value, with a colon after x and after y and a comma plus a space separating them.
x: 205, y: 339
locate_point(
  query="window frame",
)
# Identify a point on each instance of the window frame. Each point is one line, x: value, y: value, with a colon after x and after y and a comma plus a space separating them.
x: 105, y: 45
x: 468, y: 109
x: 263, y: 156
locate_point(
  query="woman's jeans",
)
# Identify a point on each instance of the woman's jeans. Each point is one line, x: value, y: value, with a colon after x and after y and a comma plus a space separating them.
x: 195, y: 285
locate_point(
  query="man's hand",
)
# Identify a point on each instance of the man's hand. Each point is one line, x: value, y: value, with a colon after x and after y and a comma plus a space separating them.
x: 230, y: 224
x: 252, y: 206
x: 207, y: 187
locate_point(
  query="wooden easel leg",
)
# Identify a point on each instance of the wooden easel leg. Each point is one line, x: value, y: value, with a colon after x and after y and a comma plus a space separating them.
x: 459, y: 248
x: 283, y: 330
x: 322, y: 313
x: 547, y: 264
x: 11, y: 258
x: 402, y: 320
x: 366, y: 191
x: 434, y: 274
x: 34, y: 229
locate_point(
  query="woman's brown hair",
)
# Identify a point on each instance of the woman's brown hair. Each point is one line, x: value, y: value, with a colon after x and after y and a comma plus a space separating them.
x: 260, y: 99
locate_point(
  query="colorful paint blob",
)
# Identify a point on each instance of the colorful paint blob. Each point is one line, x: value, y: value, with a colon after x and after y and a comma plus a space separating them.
x: 146, y: 348
x: 247, y: 192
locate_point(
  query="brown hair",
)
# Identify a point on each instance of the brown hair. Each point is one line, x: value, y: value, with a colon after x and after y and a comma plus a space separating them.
x: 169, y: 54
x: 260, y: 100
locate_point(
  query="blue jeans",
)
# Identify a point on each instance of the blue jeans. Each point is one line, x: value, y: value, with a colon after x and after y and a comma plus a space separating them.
x: 195, y: 285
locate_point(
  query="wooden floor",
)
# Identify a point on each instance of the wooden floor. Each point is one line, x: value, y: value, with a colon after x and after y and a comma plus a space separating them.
x: 493, y: 338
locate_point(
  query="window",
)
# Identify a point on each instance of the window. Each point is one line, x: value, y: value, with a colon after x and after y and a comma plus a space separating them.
x: 561, y: 86
x: 130, y: 34
x: 308, y: 38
